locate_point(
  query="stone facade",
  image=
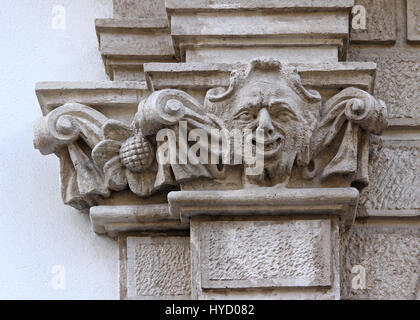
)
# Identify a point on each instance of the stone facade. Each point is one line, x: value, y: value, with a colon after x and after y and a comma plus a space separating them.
x: 330, y: 199
x: 158, y: 267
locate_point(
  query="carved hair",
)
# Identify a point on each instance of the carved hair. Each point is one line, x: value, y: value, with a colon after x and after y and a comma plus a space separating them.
x: 264, y: 64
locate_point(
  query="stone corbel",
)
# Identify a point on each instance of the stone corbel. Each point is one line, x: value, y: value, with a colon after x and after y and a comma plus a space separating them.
x: 100, y: 155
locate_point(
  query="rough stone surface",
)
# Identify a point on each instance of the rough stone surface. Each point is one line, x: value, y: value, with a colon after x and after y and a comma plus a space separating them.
x: 158, y: 267
x: 395, y: 177
x: 413, y: 20
x: 390, y: 255
x: 266, y: 254
x: 380, y: 22
x: 265, y: 258
x: 397, y: 80
x: 134, y: 9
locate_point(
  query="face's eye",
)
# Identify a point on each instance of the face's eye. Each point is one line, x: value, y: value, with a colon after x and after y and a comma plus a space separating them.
x: 283, y: 115
x: 245, y: 116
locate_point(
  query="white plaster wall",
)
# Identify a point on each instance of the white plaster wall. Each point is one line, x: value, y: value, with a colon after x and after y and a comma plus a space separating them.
x: 37, y: 231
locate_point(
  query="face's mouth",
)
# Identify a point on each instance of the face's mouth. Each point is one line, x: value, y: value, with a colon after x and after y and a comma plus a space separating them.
x: 271, y: 146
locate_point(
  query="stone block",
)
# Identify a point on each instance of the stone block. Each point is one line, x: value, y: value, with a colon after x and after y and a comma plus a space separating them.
x: 413, y: 20
x: 104, y: 95
x: 126, y: 44
x: 394, y: 179
x: 387, y: 260
x: 286, y: 55
x: 134, y: 9
x: 326, y: 76
x: 265, y: 258
x: 158, y: 268
x: 298, y: 5
x: 261, y: 254
x: 397, y: 78
x: 112, y: 220
x: 233, y: 27
x: 231, y: 24
x: 380, y: 24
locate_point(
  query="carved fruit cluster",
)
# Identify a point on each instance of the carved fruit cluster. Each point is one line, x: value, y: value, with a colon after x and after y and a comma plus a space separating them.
x: 137, y: 153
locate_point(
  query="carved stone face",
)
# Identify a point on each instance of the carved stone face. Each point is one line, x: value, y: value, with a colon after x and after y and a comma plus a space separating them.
x: 269, y: 104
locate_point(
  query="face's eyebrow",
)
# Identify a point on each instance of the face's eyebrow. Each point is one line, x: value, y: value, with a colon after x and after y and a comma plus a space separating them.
x: 281, y: 104
x: 250, y: 105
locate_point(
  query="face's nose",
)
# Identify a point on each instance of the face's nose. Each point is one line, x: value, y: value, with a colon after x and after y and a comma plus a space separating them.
x: 264, y: 123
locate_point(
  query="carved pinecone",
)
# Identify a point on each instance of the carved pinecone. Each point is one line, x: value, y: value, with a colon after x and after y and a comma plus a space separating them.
x: 137, y: 154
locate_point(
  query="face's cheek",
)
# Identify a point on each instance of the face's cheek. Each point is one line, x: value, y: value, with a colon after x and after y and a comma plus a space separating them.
x: 292, y: 132
x: 241, y: 125
x: 297, y: 136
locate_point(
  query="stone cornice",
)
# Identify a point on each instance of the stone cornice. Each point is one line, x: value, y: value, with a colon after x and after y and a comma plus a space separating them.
x: 282, y: 5
x: 204, y: 76
x: 265, y: 201
x: 118, y: 94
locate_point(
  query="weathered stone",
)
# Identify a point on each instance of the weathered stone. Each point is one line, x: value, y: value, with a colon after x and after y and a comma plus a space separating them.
x: 394, y: 187
x: 397, y: 80
x: 126, y: 44
x: 381, y: 26
x: 103, y: 96
x: 260, y: 254
x: 388, y: 255
x: 413, y: 20
x: 135, y: 9
x: 202, y: 30
x: 112, y: 220
x: 158, y: 268
x: 240, y: 54
x: 326, y: 76
x: 272, y: 257
x: 265, y: 201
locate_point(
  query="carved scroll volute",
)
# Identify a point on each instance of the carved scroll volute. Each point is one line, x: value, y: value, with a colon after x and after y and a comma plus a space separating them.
x: 165, y: 108
x: 60, y: 132
x: 352, y: 115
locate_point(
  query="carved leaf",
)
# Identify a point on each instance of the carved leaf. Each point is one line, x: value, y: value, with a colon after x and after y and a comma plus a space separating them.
x: 116, y: 130
x: 115, y: 174
x: 142, y: 184
x: 104, y: 151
